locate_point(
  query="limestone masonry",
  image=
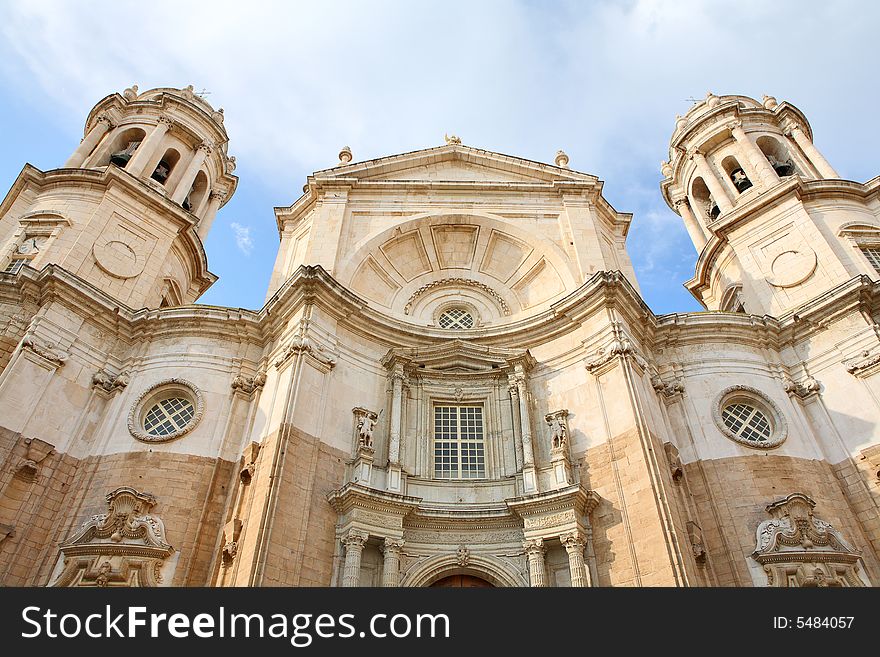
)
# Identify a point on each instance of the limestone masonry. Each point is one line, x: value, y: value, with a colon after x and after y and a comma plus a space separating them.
x: 454, y: 380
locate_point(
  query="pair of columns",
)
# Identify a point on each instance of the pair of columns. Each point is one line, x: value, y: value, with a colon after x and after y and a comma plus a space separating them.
x: 574, y: 545
x: 354, y: 543
x: 522, y: 424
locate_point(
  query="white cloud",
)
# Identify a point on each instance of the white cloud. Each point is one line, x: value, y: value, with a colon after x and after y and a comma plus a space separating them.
x: 602, y: 80
x: 243, y: 238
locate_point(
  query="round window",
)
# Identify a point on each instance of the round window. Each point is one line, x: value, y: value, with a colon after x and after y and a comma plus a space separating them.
x: 455, y: 318
x: 169, y: 415
x: 747, y: 416
x: 166, y: 411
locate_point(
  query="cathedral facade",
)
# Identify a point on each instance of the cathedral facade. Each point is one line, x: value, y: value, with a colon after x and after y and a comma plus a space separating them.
x: 453, y: 381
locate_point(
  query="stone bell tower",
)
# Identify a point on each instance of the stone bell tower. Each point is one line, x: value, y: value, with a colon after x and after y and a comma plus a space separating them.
x: 130, y: 209
x: 773, y: 223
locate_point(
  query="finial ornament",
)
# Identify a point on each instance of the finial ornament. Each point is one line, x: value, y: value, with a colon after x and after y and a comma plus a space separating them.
x: 130, y: 93
x: 561, y: 159
x: 769, y: 102
x: 452, y: 139
x: 666, y: 169
x: 680, y: 122
x: 218, y: 116
x: 345, y: 155
x: 712, y: 100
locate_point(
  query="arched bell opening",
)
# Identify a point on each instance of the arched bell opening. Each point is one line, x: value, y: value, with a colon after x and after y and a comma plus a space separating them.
x: 121, y: 148
x: 736, y: 174
x: 197, y: 193
x: 778, y: 156
x: 705, y: 202
x: 166, y: 165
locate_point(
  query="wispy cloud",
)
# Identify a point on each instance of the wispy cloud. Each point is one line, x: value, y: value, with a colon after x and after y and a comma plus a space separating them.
x: 602, y: 80
x: 243, y: 239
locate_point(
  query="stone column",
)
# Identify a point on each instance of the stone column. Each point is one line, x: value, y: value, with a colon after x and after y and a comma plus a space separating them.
x: 145, y: 152
x: 574, y: 545
x: 516, y: 425
x: 525, y: 423
x: 691, y: 223
x: 214, y: 202
x: 391, y: 567
x: 186, y: 181
x: 753, y: 157
x: 712, y: 182
x: 396, y: 412
x: 354, y: 546
x: 535, y: 552
x: 87, y: 145
x: 822, y: 165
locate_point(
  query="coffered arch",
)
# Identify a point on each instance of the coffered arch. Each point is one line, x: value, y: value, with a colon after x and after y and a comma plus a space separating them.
x: 488, y: 263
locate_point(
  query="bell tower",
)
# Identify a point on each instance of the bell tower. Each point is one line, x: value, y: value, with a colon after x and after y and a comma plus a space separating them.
x: 130, y: 209
x: 773, y: 223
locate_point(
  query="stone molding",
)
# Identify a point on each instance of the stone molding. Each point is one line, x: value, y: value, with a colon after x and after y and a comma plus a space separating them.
x: 124, y: 547
x: 760, y: 399
x: 456, y: 282
x: 135, y: 414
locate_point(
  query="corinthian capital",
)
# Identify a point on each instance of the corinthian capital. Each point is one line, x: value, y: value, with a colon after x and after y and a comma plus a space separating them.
x: 166, y: 121
x: 572, y: 541
x: 534, y: 546
x: 207, y: 146
x: 103, y: 118
x: 355, y: 539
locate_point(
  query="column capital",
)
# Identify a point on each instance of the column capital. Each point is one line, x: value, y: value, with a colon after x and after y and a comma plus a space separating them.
x: 207, y: 146
x: 735, y: 124
x: 572, y: 541
x: 103, y: 118
x: 217, y: 196
x: 165, y: 121
x: 356, y: 538
x: 394, y: 545
x: 534, y: 546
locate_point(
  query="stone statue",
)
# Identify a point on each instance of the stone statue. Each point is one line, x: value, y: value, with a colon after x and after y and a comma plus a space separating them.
x: 365, y: 430
x: 558, y: 433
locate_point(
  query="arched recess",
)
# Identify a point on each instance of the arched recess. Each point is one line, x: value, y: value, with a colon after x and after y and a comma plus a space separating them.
x: 508, y: 268
x: 122, y: 143
x: 778, y: 155
x: 487, y: 567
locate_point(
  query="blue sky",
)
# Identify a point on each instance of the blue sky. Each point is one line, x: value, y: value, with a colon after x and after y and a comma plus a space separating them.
x: 601, y: 80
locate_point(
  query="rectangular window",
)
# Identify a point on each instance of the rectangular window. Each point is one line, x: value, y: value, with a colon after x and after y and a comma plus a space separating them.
x: 459, y: 451
x: 872, y: 253
x: 15, y: 265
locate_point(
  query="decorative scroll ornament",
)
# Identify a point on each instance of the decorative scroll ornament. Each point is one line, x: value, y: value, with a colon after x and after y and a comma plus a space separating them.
x: 124, y: 547
x: 303, y: 344
x: 37, y: 451
x: 798, y: 549
x: 249, y: 384
x: 667, y: 388
x: 862, y: 362
x: 620, y: 346
x: 452, y: 139
x: 802, y: 389
x: 45, y: 350
x: 676, y: 469
x: 456, y: 282
x: 462, y: 556
x: 109, y: 382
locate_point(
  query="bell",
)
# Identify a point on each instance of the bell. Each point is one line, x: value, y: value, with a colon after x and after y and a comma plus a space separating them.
x: 714, y: 210
x: 161, y: 173
x: 120, y: 159
x: 740, y: 180
x: 783, y: 169
x: 186, y: 204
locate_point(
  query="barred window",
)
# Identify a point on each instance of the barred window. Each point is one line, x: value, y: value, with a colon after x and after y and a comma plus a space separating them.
x: 168, y: 415
x: 459, y: 450
x: 15, y: 265
x: 872, y: 253
x: 456, y: 318
x: 747, y: 422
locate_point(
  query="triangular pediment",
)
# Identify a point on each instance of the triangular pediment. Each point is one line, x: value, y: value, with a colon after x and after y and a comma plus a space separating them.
x: 455, y: 163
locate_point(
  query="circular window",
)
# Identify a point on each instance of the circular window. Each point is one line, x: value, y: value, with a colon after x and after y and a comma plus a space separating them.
x: 166, y: 411
x: 455, y: 318
x: 745, y: 415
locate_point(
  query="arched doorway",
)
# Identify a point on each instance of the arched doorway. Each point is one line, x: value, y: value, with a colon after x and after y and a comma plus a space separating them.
x: 462, y: 581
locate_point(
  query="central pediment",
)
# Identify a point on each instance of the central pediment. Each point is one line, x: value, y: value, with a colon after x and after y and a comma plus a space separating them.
x: 458, y: 356
x: 454, y: 163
